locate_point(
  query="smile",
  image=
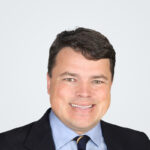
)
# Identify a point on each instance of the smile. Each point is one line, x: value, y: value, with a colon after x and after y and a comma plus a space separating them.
x: 81, y: 107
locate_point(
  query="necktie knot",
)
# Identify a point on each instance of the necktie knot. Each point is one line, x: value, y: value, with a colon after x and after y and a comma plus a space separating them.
x: 81, y: 141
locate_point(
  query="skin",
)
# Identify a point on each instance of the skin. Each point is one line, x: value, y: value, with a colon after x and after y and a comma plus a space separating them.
x: 79, y: 81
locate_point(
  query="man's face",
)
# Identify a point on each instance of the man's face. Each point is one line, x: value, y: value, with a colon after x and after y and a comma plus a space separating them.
x: 79, y: 89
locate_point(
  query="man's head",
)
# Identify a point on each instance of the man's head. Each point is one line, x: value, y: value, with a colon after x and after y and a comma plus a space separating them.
x: 80, y: 72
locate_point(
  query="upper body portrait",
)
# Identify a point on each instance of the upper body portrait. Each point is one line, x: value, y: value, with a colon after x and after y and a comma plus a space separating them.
x: 79, y: 80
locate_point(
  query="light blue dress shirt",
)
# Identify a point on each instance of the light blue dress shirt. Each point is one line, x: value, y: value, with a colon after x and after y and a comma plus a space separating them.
x: 63, y: 136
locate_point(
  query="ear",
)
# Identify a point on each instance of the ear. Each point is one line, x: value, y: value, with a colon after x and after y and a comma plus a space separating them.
x: 48, y: 83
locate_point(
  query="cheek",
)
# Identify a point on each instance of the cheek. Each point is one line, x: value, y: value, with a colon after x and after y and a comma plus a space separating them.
x: 102, y: 94
x: 61, y: 93
x: 103, y: 101
x: 65, y: 91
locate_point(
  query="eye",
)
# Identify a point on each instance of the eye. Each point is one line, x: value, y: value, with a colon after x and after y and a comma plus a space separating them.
x: 97, y: 82
x: 69, y: 79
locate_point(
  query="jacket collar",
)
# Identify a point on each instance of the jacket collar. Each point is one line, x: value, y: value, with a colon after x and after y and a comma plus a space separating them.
x: 40, y: 136
x: 111, y: 139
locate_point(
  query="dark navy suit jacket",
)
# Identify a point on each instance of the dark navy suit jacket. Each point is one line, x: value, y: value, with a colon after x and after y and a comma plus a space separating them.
x: 38, y: 136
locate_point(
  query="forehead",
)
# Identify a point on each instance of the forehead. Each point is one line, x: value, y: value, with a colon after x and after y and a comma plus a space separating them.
x: 70, y: 60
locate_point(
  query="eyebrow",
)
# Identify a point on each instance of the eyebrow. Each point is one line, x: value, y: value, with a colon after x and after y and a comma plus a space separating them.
x: 69, y: 74
x: 100, y: 76
x: 76, y: 75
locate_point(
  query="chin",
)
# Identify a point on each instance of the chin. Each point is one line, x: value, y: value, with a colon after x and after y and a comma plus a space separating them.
x: 85, y: 125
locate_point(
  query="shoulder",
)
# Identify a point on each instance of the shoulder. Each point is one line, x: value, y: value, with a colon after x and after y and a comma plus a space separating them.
x: 126, y: 136
x: 28, y: 136
x: 121, y: 130
x: 14, y: 137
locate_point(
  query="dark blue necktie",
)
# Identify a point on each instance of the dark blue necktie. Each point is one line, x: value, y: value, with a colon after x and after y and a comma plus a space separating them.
x: 81, y: 141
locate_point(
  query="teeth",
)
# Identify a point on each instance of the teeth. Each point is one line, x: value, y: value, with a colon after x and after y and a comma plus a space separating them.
x: 82, y: 107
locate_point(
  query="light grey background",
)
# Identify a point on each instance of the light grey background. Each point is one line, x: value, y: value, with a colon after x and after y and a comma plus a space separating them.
x: 28, y: 27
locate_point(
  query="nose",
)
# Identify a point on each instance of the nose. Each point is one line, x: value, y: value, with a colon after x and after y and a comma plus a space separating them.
x: 84, y: 90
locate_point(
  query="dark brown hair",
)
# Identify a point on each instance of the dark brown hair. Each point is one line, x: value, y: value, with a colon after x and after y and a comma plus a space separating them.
x: 92, y: 45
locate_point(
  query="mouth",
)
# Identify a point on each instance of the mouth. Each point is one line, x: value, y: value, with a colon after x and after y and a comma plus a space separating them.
x: 83, y: 107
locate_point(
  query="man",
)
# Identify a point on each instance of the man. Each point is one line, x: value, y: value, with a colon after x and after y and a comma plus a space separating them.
x: 80, y: 74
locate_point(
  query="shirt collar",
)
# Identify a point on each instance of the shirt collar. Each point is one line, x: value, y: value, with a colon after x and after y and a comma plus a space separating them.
x: 96, y: 135
x: 67, y: 134
x: 61, y: 133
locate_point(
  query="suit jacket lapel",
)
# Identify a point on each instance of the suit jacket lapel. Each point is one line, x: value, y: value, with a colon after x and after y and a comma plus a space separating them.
x: 110, y: 137
x: 40, y: 135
